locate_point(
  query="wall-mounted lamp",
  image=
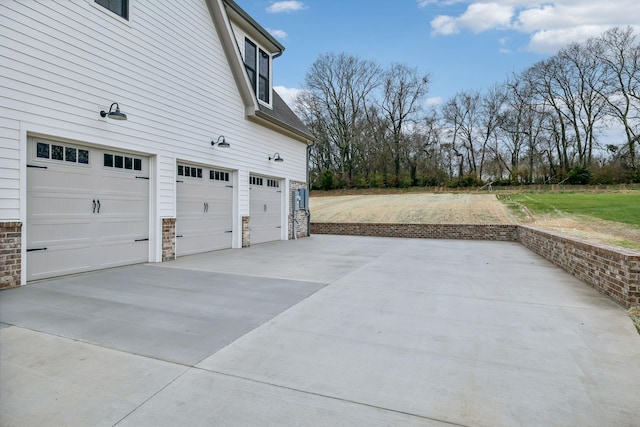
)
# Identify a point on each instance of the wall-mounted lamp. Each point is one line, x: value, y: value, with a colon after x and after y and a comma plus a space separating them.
x: 276, y: 158
x: 220, y: 143
x: 115, y: 115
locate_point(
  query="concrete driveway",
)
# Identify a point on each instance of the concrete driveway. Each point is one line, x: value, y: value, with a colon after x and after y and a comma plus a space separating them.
x: 327, y: 330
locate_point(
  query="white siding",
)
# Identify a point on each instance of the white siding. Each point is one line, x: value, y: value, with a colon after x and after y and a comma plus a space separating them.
x: 63, y: 62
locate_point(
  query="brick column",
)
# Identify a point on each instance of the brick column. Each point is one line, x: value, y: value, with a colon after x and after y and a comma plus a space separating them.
x: 300, y: 229
x: 168, y: 239
x: 246, y: 232
x: 10, y: 254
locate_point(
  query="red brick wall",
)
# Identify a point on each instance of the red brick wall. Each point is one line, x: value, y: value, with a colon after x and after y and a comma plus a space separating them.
x: 10, y: 254
x: 421, y: 231
x: 168, y: 239
x: 246, y: 232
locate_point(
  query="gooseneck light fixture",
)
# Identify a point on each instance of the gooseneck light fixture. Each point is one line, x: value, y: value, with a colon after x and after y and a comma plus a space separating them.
x: 220, y: 143
x: 115, y: 115
x: 276, y: 158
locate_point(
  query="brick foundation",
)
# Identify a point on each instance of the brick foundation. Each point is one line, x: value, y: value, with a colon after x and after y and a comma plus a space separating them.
x: 246, y: 232
x: 168, y: 239
x: 613, y: 271
x: 10, y: 254
x: 300, y: 227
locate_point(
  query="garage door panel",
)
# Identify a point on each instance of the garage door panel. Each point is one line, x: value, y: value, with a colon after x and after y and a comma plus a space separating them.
x: 265, y: 209
x: 115, y: 252
x: 88, y: 215
x: 204, y: 220
x: 55, y: 260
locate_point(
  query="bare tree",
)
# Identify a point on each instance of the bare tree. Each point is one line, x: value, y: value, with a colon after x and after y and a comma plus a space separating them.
x: 403, y: 91
x: 619, y: 51
x: 337, y: 90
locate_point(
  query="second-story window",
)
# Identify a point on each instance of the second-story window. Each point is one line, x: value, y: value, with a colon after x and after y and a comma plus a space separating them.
x: 256, y: 62
x: 263, y: 81
x: 119, y: 7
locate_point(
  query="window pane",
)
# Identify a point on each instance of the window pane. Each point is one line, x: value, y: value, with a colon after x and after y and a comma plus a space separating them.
x: 128, y: 163
x: 263, y: 89
x: 119, y: 162
x: 119, y: 7
x: 180, y: 170
x: 83, y: 157
x: 42, y: 150
x: 70, y: 154
x: 250, y: 61
x: 108, y: 160
x: 187, y: 171
x: 199, y: 172
x: 57, y: 152
x: 137, y: 164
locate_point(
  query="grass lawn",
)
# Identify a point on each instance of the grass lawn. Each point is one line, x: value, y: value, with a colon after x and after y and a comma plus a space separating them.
x: 619, y: 207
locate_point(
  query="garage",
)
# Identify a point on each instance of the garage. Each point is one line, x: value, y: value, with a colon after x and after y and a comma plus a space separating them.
x: 87, y: 209
x: 265, y: 207
x: 204, y: 217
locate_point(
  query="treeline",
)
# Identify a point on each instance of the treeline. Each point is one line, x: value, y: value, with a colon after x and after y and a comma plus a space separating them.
x: 572, y: 118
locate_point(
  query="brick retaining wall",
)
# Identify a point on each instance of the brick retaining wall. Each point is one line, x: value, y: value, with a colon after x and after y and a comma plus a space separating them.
x: 420, y: 231
x: 613, y: 271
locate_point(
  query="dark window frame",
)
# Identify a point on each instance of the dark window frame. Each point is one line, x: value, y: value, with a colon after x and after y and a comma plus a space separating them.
x: 119, y: 7
x: 257, y: 63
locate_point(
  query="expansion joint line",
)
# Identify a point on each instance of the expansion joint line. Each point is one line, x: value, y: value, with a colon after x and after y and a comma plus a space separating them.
x: 339, y: 399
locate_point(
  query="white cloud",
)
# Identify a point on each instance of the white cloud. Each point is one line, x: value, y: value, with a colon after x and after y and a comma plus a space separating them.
x: 286, y: 6
x: 550, y: 41
x: 279, y: 34
x: 478, y: 17
x: 550, y: 24
x: 435, y: 100
x: 287, y: 94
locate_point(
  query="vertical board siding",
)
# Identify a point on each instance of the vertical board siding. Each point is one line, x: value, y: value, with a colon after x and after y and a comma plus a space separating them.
x: 65, y: 61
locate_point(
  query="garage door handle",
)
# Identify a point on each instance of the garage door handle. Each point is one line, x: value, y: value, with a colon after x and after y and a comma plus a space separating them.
x: 94, y: 206
x: 98, y: 205
x: 37, y: 167
x: 141, y: 240
x: 36, y: 249
x: 179, y: 235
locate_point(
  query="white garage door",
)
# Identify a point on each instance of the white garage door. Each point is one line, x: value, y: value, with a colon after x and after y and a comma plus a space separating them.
x: 265, y: 209
x: 87, y: 209
x: 204, y: 218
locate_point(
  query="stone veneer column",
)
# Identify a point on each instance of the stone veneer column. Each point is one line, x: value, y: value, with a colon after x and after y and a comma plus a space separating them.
x: 168, y: 239
x: 301, y: 215
x: 246, y: 232
x: 10, y: 254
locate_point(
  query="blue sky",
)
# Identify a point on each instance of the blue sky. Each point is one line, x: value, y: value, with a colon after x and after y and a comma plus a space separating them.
x: 462, y: 44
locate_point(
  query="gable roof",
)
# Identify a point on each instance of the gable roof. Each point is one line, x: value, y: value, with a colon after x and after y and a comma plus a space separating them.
x: 279, y: 118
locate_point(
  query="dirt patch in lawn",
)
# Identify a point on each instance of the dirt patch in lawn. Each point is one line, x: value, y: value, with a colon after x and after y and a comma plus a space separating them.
x: 465, y: 208
x: 421, y: 208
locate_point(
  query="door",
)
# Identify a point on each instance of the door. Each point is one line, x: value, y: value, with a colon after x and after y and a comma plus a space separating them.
x: 204, y: 218
x: 87, y: 209
x: 265, y: 208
